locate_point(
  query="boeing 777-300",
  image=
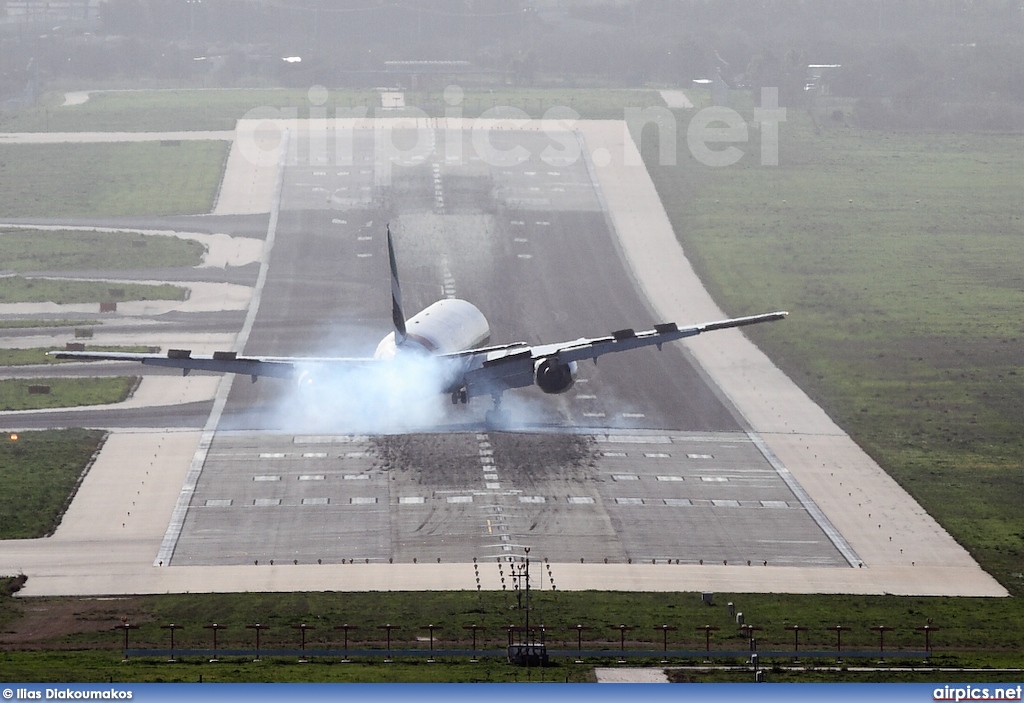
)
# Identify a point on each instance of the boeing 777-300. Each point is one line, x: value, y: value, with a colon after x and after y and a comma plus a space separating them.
x: 454, y: 334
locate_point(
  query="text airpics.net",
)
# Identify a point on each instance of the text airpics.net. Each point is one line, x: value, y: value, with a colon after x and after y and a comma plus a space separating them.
x: 977, y: 693
x: 411, y: 137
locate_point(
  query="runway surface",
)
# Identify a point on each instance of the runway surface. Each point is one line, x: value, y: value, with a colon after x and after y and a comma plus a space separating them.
x: 530, y: 245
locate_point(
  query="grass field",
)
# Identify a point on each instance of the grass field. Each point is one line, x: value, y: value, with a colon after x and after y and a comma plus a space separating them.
x: 64, y: 392
x: 33, y: 324
x: 28, y: 357
x: 971, y: 633
x: 41, y: 471
x: 898, y: 256
x: 151, y: 111
x: 69, y: 180
x: 17, y: 289
x: 68, y: 250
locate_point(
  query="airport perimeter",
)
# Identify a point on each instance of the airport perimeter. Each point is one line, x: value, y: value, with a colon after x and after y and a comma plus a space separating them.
x: 784, y: 472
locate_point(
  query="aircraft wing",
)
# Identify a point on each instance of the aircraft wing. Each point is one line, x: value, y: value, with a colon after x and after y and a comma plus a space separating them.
x: 512, y: 366
x: 224, y: 362
x: 622, y: 340
x: 484, y: 370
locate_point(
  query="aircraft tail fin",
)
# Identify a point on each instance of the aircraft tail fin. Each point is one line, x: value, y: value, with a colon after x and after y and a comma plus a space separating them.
x: 397, y: 316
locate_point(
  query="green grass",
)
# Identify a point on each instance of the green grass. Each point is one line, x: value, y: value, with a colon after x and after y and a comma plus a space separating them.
x: 69, y: 180
x: 172, y: 110
x: 168, y: 110
x: 48, y: 250
x: 39, y: 477
x: 64, y: 392
x: 92, y: 666
x: 535, y: 102
x: 16, y: 289
x: 33, y: 324
x: 905, y: 302
x: 29, y: 357
x: 973, y: 633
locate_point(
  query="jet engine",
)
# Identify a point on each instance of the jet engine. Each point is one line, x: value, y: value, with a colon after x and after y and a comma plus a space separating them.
x: 553, y: 376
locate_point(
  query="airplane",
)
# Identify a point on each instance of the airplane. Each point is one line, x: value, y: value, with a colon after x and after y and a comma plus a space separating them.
x: 454, y: 334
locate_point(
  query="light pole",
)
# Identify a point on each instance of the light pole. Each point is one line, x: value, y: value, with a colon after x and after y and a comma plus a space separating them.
x: 214, y: 627
x: 127, y: 628
x: 389, y: 627
x: 839, y: 629
x: 707, y: 639
x: 258, y: 627
x: 579, y: 641
x: 796, y: 638
x: 346, y: 627
x: 303, y: 627
x: 474, y: 628
x: 172, y: 627
x: 882, y: 629
x: 431, y: 627
x: 927, y: 630
x: 664, y: 640
x: 622, y: 640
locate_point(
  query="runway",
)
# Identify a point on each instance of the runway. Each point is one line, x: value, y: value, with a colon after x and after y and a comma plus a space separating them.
x: 599, y: 498
x: 653, y: 458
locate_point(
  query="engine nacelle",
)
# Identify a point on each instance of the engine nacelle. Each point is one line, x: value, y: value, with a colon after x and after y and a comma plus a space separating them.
x: 554, y: 377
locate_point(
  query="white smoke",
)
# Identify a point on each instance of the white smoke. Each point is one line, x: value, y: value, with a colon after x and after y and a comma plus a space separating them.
x: 401, y: 395
x: 367, y: 397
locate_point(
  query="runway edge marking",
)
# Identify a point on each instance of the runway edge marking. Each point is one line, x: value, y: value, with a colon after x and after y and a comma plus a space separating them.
x: 195, y: 469
x: 838, y: 541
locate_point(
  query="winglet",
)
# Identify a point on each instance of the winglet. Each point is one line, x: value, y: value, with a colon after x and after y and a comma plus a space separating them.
x: 397, y: 316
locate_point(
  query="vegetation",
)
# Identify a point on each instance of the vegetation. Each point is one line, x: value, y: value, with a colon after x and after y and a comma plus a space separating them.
x: 40, y: 475
x: 16, y: 394
x: 16, y: 289
x: 971, y: 633
x: 48, y: 250
x: 170, y: 110
x: 147, y: 178
x: 897, y: 256
x: 32, y: 324
x: 157, y: 110
x: 28, y: 357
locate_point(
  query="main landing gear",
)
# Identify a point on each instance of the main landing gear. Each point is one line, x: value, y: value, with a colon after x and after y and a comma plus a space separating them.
x: 460, y: 396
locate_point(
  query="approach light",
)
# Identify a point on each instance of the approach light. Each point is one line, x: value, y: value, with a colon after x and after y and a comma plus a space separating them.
x: 292, y: 59
x: 14, y: 436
